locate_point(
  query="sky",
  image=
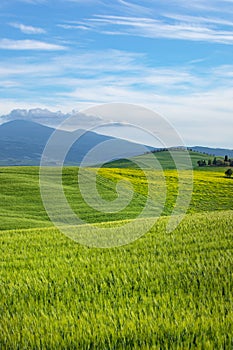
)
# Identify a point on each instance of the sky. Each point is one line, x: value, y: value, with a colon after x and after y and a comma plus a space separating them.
x: 173, y: 57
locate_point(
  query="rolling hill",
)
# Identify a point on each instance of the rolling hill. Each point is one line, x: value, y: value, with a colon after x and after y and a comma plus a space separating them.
x: 164, y: 158
x: 166, y: 290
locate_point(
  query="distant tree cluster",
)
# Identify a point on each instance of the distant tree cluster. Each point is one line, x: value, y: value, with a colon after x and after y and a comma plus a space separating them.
x: 167, y: 149
x: 229, y: 172
x: 216, y: 162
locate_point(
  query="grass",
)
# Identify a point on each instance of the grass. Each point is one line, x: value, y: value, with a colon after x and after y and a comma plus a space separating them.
x: 169, y: 291
x: 163, y: 291
x: 20, y: 201
x: 21, y: 205
x: 164, y: 158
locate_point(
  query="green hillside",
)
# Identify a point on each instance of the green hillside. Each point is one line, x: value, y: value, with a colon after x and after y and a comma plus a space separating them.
x: 163, y: 291
x: 164, y: 158
x: 21, y: 205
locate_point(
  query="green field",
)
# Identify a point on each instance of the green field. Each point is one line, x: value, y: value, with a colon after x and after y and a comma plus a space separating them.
x: 164, y: 158
x: 163, y: 291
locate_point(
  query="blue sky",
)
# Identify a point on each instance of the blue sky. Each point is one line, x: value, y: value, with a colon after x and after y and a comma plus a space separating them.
x: 175, y: 57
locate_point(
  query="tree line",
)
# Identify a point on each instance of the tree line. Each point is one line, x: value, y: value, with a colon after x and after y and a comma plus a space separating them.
x: 216, y: 162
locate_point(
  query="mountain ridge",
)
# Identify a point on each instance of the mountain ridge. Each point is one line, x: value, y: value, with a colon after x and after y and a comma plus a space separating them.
x: 213, y: 151
x: 22, y: 143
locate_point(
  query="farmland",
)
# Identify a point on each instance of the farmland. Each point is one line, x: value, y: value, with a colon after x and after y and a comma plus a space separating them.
x: 21, y: 205
x: 163, y: 291
x: 164, y: 158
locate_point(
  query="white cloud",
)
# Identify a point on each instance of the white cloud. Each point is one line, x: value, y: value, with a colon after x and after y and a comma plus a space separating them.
x: 8, y: 44
x: 200, y: 5
x: 6, y: 84
x: 73, y: 120
x: 134, y: 8
x: 199, y: 19
x: 28, y: 29
x: 161, y: 28
x: 88, y: 2
x: 201, y: 119
x: 23, y: 70
x: 33, y: 2
x: 72, y: 26
x: 112, y: 68
x: 197, y: 104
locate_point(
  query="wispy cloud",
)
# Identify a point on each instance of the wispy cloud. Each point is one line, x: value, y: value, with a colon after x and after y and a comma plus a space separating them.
x: 34, y: 2
x: 170, y: 27
x: 5, y: 84
x: 8, y: 44
x: 87, y: 2
x: 190, y: 84
x: 28, y: 29
x: 201, y: 5
x: 112, y: 71
x: 134, y: 8
x: 72, y: 26
x: 194, y: 20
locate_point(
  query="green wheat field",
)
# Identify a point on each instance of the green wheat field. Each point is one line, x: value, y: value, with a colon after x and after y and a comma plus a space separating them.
x: 163, y: 291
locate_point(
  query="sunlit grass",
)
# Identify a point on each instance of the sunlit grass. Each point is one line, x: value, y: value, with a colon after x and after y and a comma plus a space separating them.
x: 162, y: 291
x: 21, y: 205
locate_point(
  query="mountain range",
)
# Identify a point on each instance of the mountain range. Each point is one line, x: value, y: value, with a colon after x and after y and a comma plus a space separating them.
x: 22, y: 143
x: 218, y: 152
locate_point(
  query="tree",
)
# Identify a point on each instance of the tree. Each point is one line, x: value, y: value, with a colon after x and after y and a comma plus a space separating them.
x: 220, y: 162
x: 209, y: 162
x: 215, y: 161
x: 228, y: 172
x: 201, y: 162
x: 226, y: 159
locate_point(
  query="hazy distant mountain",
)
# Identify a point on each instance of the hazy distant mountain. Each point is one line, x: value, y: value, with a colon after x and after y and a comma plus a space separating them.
x: 22, y: 143
x: 24, y: 131
x: 221, y: 152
